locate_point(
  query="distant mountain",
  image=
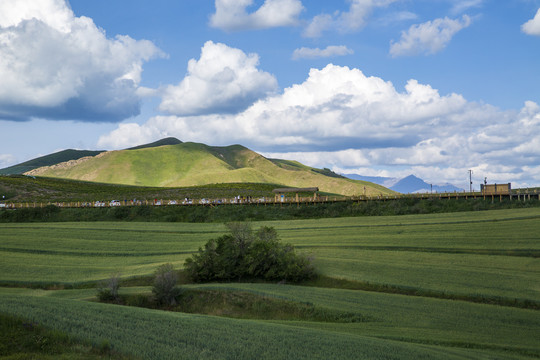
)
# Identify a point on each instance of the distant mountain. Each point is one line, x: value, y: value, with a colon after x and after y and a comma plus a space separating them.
x: 48, y: 160
x: 191, y: 164
x: 409, y: 184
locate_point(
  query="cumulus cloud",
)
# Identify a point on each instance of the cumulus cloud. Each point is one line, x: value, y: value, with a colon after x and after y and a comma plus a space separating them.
x: 347, y: 21
x: 59, y: 66
x: 532, y: 27
x: 335, y: 108
x: 329, y: 51
x: 429, y: 37
x: 231, y: 15
x: 341, y: 118
x: 224, y: 79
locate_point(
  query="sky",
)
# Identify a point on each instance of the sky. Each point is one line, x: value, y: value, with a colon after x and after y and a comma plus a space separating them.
x: 433, y: 88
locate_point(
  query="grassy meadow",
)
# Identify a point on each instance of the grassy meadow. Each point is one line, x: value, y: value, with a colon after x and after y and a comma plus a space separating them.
x: 441, y: 286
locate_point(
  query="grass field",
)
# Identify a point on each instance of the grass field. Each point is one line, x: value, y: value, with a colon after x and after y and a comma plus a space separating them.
x: 480, y: 256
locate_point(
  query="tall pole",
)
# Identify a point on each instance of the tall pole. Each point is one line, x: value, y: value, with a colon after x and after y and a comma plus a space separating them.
x: 470, y: 180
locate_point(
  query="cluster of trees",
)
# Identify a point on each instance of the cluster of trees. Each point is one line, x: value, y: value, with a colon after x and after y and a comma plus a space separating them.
x: 243, y: 254
x: 246, y: 254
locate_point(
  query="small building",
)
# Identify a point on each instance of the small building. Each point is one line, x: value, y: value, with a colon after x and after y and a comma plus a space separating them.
x: 496, y: 189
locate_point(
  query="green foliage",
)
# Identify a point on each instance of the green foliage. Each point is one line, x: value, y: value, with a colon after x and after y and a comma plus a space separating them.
x: 164, y: 288
x: 245, y: 254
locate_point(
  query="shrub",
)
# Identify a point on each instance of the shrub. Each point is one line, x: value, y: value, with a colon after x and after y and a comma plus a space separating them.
x: 108, y: 291
x: 245, y: 254
x: 164, y: 288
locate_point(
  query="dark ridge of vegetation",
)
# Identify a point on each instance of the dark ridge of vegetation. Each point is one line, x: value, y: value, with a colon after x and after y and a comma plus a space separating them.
x: 23, y: 339
x: 259, y: 212
x: 247, y: 254
x: 329, y: 282
x: 20, y: 188
x: 532, y: 253
x: 242, y: 305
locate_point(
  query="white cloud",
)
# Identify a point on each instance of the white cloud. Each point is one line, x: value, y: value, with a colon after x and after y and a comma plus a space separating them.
x: 429, y: 37
x: 59, y: 66
x: 224, y: 79
x: 348, y: 21
x: 342, y: 119
x: 329, y: 51
x: 532, y: 27
x: 318, y: 25
x: 231, y: 15
x: 395, y: 17
x: 6, y: 160
x: 462, y: 5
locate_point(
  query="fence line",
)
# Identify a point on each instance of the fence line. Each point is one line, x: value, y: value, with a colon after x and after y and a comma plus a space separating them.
x: 272, y: 201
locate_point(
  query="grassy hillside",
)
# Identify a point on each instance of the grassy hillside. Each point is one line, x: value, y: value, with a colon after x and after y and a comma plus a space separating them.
x: 193, y: 164
x: 488, y: 260
x: 162, y: 142
x: 47, y: 160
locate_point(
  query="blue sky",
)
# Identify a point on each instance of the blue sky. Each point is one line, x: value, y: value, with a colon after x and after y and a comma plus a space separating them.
x: 373, y: 87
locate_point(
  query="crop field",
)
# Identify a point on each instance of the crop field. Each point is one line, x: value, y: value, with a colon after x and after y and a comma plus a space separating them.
x: 485, y: 258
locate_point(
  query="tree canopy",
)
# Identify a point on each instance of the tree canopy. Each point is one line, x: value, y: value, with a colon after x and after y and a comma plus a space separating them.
x: 245, y: 254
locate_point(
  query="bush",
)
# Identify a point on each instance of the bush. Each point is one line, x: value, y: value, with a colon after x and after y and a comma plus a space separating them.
x: 164, y: 288
x: 108, y: 291
x: 245, y: 254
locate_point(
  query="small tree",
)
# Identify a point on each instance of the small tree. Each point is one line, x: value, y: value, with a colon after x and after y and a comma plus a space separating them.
x: 108, y: 291
x: 164, y: 288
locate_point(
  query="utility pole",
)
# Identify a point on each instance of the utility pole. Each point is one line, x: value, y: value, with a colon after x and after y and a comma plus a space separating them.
x: 470, y: 180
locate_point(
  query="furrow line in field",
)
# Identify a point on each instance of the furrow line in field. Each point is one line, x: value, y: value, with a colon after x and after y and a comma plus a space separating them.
x: 92, y: 254
x: 533, y: 253
x: 409, y: 224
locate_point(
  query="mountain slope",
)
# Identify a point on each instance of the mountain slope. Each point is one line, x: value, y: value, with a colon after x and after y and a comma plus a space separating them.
x: 191, y: 164
x: 162, y: 142
x: 47, y: 160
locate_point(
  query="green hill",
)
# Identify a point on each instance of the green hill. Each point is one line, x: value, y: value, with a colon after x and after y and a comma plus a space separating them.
x: 48, y: 160
x: 162, y: 142
x: 193, y: 164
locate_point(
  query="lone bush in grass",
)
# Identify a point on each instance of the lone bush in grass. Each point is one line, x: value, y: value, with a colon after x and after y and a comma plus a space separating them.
x: 248, y: 254
x: 164, y: 288
x: 108, y: 291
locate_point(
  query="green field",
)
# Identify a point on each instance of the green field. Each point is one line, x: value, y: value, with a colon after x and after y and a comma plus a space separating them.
x: 483, y: 257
